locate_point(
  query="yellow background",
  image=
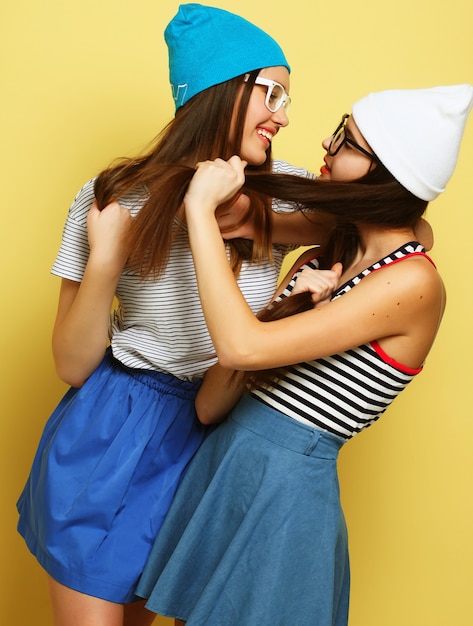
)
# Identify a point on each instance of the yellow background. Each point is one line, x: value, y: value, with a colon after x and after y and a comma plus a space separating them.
x: 85, y: 81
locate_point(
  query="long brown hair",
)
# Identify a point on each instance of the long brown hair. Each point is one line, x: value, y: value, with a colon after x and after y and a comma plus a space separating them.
x: 206, y: 127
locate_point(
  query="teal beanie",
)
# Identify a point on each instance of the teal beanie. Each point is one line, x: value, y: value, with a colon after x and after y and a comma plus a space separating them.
x: 208, y: 46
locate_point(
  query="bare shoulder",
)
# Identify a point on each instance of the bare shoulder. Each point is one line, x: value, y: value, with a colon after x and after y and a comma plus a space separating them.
x: 409, y: 295
x: 419, y: 275
x: 414, y: 304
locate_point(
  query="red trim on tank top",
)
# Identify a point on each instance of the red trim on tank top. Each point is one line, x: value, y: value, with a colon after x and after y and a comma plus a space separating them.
x: 375, y: 345
x: 387, y: 359
x: 406, y: 256
x: 319, y: 254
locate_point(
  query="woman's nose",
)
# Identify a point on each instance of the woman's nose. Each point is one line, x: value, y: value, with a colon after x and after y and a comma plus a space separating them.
x: 326, y: 143
x: 280, y: 117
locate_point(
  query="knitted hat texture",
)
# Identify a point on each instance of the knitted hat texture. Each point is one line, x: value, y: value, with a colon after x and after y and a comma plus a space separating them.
x: 208, y: 46
x: 416, y: 133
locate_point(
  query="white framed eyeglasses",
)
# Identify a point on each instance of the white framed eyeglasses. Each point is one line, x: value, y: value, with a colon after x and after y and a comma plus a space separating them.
x: 276, y: 96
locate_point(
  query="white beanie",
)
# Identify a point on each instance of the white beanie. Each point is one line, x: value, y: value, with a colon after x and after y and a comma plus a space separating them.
x: 416, y: 133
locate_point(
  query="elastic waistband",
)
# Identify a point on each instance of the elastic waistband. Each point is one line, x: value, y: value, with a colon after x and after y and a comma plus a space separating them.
x: 159, y: 381
x: 284, y: 431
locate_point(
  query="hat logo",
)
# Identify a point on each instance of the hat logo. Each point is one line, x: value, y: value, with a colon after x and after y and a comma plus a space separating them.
x: 179, y: 93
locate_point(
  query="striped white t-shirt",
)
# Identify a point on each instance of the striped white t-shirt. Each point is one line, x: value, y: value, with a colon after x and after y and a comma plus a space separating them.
x: 159, y: 324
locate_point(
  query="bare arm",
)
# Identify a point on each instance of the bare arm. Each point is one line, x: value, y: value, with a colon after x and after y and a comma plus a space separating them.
x: 81, y: 328
x: 403, y: 301
x: 288, y: 227
x: 298, y: 227
x: 301, y: 228
x: 217, y: 396
x: 294, y: 227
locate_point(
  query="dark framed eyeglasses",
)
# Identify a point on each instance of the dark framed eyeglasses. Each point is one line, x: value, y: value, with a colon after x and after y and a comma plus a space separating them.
x: 339, y: 138
x: 276, y: 96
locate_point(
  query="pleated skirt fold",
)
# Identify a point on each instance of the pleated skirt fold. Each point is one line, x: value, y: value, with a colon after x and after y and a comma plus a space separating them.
x: 256, y: 534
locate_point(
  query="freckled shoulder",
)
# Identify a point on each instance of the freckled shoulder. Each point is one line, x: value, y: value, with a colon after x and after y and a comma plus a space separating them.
x: 416, y: 280
x: 419, y: 270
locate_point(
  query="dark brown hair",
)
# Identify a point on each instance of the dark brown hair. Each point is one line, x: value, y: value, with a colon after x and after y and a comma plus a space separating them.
x: 377, y: 198
x: 206, y: 127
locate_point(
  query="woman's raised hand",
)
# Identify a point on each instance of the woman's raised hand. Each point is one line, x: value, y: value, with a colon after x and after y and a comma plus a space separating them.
x: 214, y: 183
x: 106, y: 230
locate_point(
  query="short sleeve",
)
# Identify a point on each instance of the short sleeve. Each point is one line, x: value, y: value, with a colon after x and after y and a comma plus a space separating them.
x: 74, y: 250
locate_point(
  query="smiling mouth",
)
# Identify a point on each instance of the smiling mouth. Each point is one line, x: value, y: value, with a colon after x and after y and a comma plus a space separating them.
x: 265, y: 133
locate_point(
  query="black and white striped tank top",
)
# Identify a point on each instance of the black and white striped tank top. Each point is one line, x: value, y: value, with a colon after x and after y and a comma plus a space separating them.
x: 346, y: 392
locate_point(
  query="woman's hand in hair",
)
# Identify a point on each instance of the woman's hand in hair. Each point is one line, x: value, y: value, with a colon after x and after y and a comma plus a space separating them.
x: 320, y: 283
x: 213, y: 184
x: 106, y: 231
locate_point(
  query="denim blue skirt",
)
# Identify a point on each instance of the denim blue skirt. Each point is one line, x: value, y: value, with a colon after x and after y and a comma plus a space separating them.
x: 256, y: 534
x: 106, y: 470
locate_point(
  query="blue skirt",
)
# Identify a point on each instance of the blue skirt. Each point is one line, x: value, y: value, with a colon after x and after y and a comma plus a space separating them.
x: 108, y: 464
x: 256, y: 534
